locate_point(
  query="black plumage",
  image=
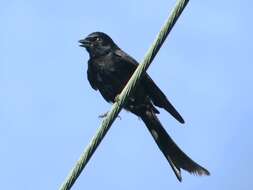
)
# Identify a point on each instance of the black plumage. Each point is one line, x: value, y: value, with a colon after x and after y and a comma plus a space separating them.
x: 109, y: 69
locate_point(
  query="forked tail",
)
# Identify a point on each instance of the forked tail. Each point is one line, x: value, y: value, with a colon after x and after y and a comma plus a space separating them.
x: 175, y: 156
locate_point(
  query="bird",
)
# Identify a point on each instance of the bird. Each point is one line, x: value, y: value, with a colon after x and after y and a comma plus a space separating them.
x: 109, y: 70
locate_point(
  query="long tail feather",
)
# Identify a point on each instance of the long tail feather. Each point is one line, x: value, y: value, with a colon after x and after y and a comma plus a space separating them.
x: 175, y: 156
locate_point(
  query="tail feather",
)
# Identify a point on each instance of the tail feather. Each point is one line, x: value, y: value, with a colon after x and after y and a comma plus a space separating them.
x: 175, y: 156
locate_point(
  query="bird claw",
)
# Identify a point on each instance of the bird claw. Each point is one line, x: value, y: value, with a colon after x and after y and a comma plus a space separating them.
x: 105, y: 114
x: 116, y: 99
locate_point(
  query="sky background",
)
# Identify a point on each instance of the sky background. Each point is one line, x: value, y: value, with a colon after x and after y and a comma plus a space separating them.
x: 49, y: 112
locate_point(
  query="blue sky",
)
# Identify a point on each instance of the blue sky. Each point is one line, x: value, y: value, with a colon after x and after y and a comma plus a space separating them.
x: 49, y: 112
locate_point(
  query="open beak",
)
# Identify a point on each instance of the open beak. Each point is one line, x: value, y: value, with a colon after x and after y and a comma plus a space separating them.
x: 84, y: 43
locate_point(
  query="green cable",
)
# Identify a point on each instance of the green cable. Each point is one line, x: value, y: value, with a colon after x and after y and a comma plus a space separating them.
x: 122, y: 98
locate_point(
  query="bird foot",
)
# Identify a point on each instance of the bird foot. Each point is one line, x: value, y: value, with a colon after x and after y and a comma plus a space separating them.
x: 105, y: 114
x: 116, y: 99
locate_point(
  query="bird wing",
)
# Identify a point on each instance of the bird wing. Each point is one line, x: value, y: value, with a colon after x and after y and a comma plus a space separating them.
x: 130, y: 62
x: 156, y: 95
x: 159, y: 98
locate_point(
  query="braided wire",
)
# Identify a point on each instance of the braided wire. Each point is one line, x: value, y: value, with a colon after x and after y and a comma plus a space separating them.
x: 122, y: 98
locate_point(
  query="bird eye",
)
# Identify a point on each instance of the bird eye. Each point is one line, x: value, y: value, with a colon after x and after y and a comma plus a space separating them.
x: 98, y: 39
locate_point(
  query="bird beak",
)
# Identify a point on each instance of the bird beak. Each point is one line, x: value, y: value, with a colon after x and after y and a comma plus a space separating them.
x: 84, y: 43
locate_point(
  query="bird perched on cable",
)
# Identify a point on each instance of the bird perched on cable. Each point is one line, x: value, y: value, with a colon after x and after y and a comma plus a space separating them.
x: 109, y: 69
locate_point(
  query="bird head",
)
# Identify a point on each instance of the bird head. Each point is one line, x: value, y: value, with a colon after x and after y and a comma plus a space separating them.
x: 97, y: 44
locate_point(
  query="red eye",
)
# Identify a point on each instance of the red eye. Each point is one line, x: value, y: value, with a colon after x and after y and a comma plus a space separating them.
x: 98, y: 39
